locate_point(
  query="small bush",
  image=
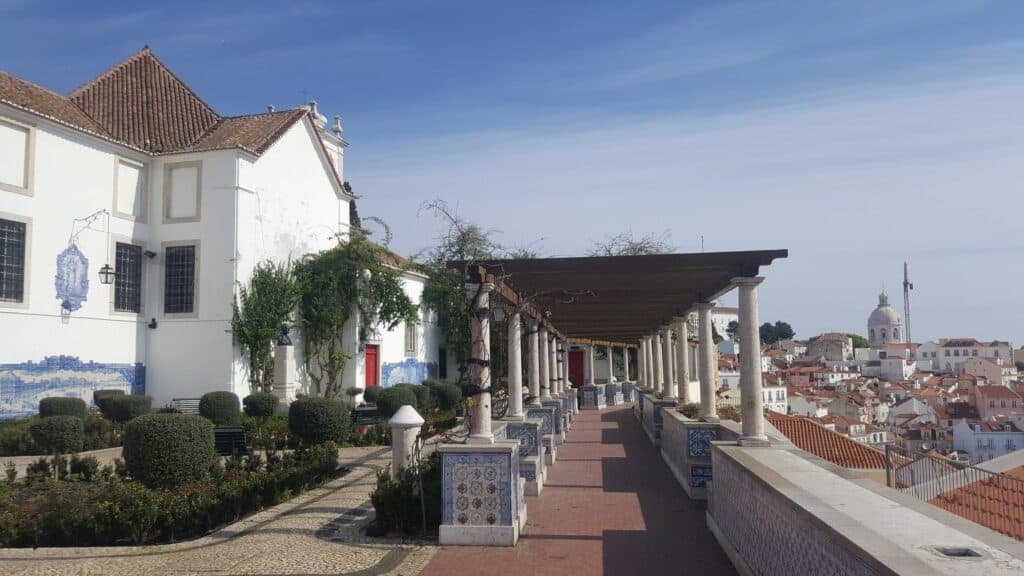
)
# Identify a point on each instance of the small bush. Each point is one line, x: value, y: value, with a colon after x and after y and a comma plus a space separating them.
x: 99, y: 397
x: 124, y: 408
x: 16, y: 437
x: 446, y: 394
x: 260, y: 404
x: 424, y: 399
x: 85, y: 467
x: 58, y: 406
x: 173, y: 449
x: 99, y: 433
x: 58, y: 434
x: 371, y: 394
x: 221, y: 408
x: 318, y: 420
x: 391, y: 399
x: 397, y: 502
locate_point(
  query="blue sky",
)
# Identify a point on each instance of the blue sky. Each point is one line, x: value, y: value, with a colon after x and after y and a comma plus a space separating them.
x: 855, y: 134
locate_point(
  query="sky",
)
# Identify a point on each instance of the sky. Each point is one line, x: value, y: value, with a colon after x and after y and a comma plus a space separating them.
x: 857, y: 135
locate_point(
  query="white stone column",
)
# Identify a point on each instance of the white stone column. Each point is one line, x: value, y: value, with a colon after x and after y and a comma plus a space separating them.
x: 479, y: 364
x: 752, y: 408
x: 683, y: 359
x: 708, y: 409
x: 659, y: 366
x: 405, y: 429
x: 626, y: 365
x: 553, y: 352
x: 611, y: 363
x: 641, y: 378
x: 533, y: 365
x: 562, y: 366
x: 652, y: 378
x: 590, y: 365
x: 515, y: 366
x: 667, y: 387
x: 545, y: 363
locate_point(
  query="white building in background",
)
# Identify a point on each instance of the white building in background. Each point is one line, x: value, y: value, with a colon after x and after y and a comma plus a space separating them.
x: 951, y: 354
x: 134, y: 171
x: 884, y: 324
x: 721, y: 317
x: 987, y: 440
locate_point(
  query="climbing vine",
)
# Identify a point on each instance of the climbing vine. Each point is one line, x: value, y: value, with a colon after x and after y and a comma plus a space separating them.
x: 259, y: 310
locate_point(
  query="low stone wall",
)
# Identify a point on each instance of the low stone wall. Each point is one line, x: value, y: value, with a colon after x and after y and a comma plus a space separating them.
x: 779, y: 511
x: 652, y: 416
x: 686, y: 449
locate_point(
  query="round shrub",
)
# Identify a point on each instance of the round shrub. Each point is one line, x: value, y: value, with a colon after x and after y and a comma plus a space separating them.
x: 222, y: 408
x: 58, y: 434
x: 123, y: 408
x: 391, y: 399
x: 447, y: 395
x: 260, y: 404
x: 58, y: 406
x: 423, y: 396
x: 371, y: 394
x: 162, y: 449
x: 318, y: 420
x: 99, y: 398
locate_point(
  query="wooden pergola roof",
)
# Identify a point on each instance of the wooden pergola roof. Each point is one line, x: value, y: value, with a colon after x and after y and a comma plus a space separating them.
x: 617, y: 299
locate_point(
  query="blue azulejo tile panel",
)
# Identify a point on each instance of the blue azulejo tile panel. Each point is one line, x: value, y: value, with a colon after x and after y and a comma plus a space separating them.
x: 529, y: 474
x: 408, y: 371
x: 700, y: 476
x: 24, y: 384
x: 557, y: 406
x: 477, y: 488
x: 71, y: 281
x: 698, y: 441
x: 546, y: 417
x: 528, y: 436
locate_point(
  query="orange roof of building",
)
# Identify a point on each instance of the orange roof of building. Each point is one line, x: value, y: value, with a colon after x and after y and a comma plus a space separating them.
x: 997, y: 392
x: 995, y: 502
x: 824, y: 443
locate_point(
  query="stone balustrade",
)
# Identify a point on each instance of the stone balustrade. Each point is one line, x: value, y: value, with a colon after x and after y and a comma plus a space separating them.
x: 686, y: 449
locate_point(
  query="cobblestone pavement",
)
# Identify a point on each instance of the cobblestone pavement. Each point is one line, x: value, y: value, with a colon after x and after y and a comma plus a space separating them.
x: 320, y: 532
x: 610, y: 506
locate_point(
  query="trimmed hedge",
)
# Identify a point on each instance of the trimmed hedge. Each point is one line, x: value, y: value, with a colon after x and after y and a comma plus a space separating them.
x: 371, y: 394
x: 447, y: 394
x: 58, y: 406
x: 260, y: 404
x: 317, y: 420
x: 99, y: 397
x: 58, y: 434
x: 162, y: 449
x: 423, y: 396
x: 391, y: 399
x: 222, y: 408
x: 124, y: 408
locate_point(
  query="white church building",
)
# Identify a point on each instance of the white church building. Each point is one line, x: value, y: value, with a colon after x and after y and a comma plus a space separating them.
x: 133, y: 179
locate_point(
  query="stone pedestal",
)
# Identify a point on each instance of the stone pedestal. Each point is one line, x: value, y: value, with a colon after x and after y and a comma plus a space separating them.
x: 592, y: 397
x: 482, y: 496
x: 285, y: 374
x: 559, y: 418
x: 613, y: 394
x: 405, y: 429
x: 531, y: 459
x: 546, y: 416
x: 652, y: 420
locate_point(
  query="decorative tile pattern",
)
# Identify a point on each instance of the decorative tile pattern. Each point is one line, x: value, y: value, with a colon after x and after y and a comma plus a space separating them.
x: 529, y: 474
x: 528, y: 436
x: 410, y: 371
x: 698, y: 441
x: 546, y: 417
x: 477, y: 488
x: 590, y: 395
x: 700, y: 476
x: 22, y: 385
x: 72, y: 278
x: 557, y: 405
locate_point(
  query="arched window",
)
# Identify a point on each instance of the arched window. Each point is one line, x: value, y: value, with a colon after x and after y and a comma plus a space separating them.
x: 872, y: 333
x: 896, y: 333
x: 883, y: 333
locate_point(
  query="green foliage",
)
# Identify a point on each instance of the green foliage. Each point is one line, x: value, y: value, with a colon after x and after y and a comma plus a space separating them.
x: 733, y: 330
x: 424, y: 401
x: 391, y: 399
x: 333, y: 285
x: 271, y: 433
x: 259, y: 311
x: 715, y: 336
x: 447, y: 395
x: 84, y: 467
x: 859, y: 341
x: 318, y: 420
x: 260, y: 404
x: 99, y: 397
x: 221, y: 408
x: 58, y: 434
x: 370, y: 394
x: 401, y: 506
x: 16, y: 437
x: 168, y: 449
x: 99, y: 433
x: 57, y: 406
x: 772, y: 333
x: 123, y: 408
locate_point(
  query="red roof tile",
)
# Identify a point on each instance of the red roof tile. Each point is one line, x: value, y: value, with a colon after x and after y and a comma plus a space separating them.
x: 824, y: 443
x: 24, y: 94
x: 996, y: 502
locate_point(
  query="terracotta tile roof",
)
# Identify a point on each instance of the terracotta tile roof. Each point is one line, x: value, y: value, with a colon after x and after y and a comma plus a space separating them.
x: 26, y: 95
x: 824, y: 443
x: 253, y: 133
x: 990, y: 392
x: 996, y: 502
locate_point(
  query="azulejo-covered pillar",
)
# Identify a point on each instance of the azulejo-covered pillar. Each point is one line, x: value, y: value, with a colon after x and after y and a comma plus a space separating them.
x: 682, y: 359
x: 752, y: 408
x: 545, y: 363
x: 515, y: 366
x: 533, y: 364
x: 480, y: 361
x: 668, y: 388
x: 708, y: 410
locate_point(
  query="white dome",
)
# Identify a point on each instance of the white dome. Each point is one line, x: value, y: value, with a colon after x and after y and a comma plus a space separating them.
x: 884, y: 315
x: 884, y: 323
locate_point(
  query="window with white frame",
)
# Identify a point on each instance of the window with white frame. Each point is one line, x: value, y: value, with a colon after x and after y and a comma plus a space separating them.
x: 179, y: 279
x: 15, y: 157
x: 13, y: 258
x: 411, y: 345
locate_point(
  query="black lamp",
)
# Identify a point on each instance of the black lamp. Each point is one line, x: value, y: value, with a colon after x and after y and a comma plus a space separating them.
x: 106, y: 274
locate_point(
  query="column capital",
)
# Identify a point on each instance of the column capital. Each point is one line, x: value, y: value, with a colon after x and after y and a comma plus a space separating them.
x: 680, y: 319
x: 747, y: 280
x: 701, y: 306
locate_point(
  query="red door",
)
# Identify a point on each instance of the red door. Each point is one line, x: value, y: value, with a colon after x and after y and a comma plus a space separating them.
x: 372, y: 365
x: 576, y: 367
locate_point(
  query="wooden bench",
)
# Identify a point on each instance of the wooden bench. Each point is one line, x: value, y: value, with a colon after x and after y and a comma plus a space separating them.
x: 366, y: 416
x: 229, y: 440
x: 186, y: 405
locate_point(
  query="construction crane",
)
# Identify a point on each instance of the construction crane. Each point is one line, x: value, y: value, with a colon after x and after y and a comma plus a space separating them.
x: 907, y: 287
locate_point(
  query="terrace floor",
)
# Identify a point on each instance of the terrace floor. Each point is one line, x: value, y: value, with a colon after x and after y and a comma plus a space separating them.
x: 610, y: 506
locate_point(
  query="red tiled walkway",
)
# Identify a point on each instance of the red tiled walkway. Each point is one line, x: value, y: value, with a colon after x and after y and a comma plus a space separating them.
x: 610, y: 507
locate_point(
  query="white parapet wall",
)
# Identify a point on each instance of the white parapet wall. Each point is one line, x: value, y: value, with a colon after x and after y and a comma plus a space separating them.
x: 778, y: 511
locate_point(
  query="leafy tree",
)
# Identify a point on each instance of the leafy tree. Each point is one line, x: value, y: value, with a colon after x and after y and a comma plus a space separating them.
x: 259, y: 310
x: 715, y: 336
x: 859, y: 341
x: 626, y: 244
x: 772, y: 333
x: 353, y: 212
x: 733, y: 330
